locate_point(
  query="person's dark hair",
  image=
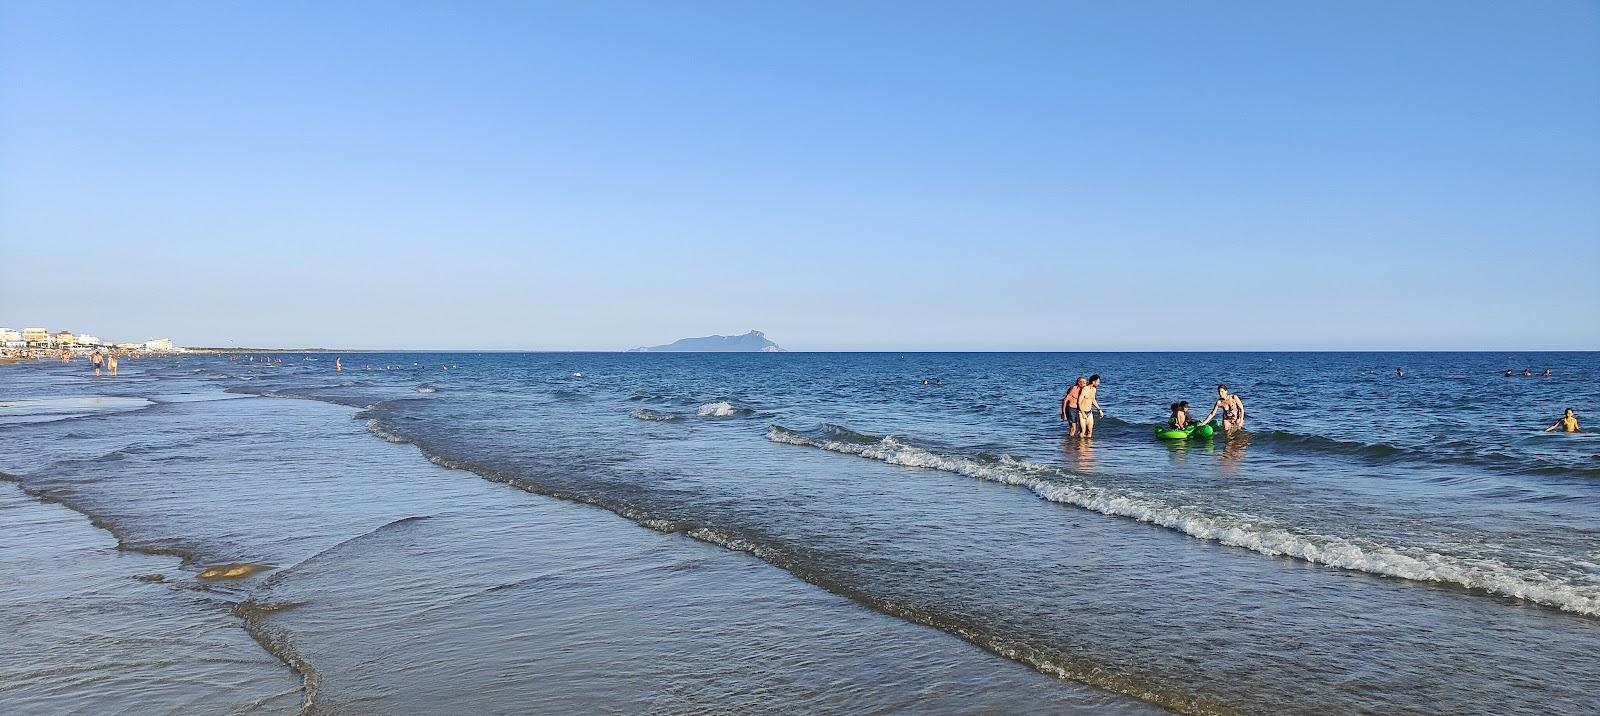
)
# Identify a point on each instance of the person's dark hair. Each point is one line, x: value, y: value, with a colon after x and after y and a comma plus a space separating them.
x: 1183, y: 403
x: 1222, y: 386
x: 1094, y: 377
x: 1175, y: 407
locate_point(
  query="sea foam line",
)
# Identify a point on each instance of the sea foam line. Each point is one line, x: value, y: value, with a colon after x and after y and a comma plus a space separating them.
x: 1051, y: 485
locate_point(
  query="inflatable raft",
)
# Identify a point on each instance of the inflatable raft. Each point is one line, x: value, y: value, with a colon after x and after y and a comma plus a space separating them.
x: 1198, y: 430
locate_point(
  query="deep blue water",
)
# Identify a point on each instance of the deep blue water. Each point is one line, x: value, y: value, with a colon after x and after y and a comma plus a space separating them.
x: 1372, y: 542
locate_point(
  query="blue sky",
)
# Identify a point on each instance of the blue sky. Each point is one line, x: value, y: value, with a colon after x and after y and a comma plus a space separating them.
x: 988, y: 176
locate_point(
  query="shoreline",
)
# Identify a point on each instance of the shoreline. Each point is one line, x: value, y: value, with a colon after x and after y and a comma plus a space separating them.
x: 256, y: 618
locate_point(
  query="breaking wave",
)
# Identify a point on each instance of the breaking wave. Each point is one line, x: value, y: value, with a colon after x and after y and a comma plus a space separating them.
x: 1057, y: 485
x: 720, y: 409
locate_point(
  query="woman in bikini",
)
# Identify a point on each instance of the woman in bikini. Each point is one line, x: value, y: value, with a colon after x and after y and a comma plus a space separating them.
x: 1567, y: 424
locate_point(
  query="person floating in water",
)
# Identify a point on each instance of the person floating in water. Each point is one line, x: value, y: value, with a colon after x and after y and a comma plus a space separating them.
x: 1546, y: 373
x: 1069, y: 405
x: 1088, y: 401
x: 1399, y: 372
x: 1508, y: 372
x: 1232, y: 408
x: 1527, y: 373
x: 1180, y: 415
x: 338, y: 365
x: 1568, y: 423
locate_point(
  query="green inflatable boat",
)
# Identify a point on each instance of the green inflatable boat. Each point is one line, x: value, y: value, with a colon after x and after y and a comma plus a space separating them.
x: 1198, y: 430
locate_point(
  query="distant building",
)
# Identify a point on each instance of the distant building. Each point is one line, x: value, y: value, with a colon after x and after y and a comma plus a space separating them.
x: 129, y: 346
x: 38, y: 336
x: 85, y: 339
x: 158, y: 344
x: 65, y: 339
x: 9, y: 336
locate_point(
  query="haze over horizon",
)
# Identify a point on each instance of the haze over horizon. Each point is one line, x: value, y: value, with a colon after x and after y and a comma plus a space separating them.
x: 1075, y: 176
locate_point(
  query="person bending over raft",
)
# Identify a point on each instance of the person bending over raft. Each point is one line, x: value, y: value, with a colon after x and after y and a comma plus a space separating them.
x: 1231, y: 407
x: 1568, y: 423
x: 1069, y: 405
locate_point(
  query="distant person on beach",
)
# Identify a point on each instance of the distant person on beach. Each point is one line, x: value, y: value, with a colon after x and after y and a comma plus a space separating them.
x: 1568, y: 423
x: 1069, y: 404
x: 1232, y: 408
x: 338, y: 365
x: 1088, y: 401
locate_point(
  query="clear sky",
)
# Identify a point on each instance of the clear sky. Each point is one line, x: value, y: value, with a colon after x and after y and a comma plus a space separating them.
x: 842, y: 175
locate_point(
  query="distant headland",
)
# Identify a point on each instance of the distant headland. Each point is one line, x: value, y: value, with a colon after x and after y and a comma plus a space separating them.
x: 752, y: 342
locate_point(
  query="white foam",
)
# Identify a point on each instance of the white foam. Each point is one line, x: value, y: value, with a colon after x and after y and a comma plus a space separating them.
x: 1057, y: 486
x: 376, y: 428
x: 721, y: 409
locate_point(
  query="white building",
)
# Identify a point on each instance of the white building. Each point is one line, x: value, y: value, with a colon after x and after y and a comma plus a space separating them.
x: 7, y: 335
x: 85, y: 339
x: 158, y: 344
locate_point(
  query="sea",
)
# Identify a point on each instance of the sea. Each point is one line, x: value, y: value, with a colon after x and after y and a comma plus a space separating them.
x: 778, y: 533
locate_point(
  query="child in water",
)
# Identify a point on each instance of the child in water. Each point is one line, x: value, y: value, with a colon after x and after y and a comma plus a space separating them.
x: 1180, y: 415
x: 1567, y: 424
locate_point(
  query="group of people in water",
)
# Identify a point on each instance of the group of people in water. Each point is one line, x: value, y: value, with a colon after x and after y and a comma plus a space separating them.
x: 1527, y: 373
x: 1082, y: 402
x: 104, y: 363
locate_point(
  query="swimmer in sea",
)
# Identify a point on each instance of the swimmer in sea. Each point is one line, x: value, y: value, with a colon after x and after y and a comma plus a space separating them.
x: 1232, y: 408
x: 1399, y: 372
x: 1527, y: 373
x: 96, y: 360
x: 1546, y: 373
x: 1088, y: 401
x: 338, y: 365
x: 1508, y: 373
x: 1180, y: 415
x: 111, y: 363
x: 1069, y: 404
x: 1567, y: 424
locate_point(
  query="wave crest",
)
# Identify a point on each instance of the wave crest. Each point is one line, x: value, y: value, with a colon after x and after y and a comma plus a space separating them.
x: 1056, y: 485
x: 720, y: 409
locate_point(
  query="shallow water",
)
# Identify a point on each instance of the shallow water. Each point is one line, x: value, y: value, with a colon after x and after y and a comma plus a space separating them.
x: 1374, y: 543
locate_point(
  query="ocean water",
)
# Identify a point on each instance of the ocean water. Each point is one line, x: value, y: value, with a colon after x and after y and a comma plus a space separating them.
x: 814, y: 532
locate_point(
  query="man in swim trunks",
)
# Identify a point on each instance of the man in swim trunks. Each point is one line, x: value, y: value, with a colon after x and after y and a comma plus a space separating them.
x: 1232, y: 409
x: 1088, y: 401
x: 1069, y: 405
